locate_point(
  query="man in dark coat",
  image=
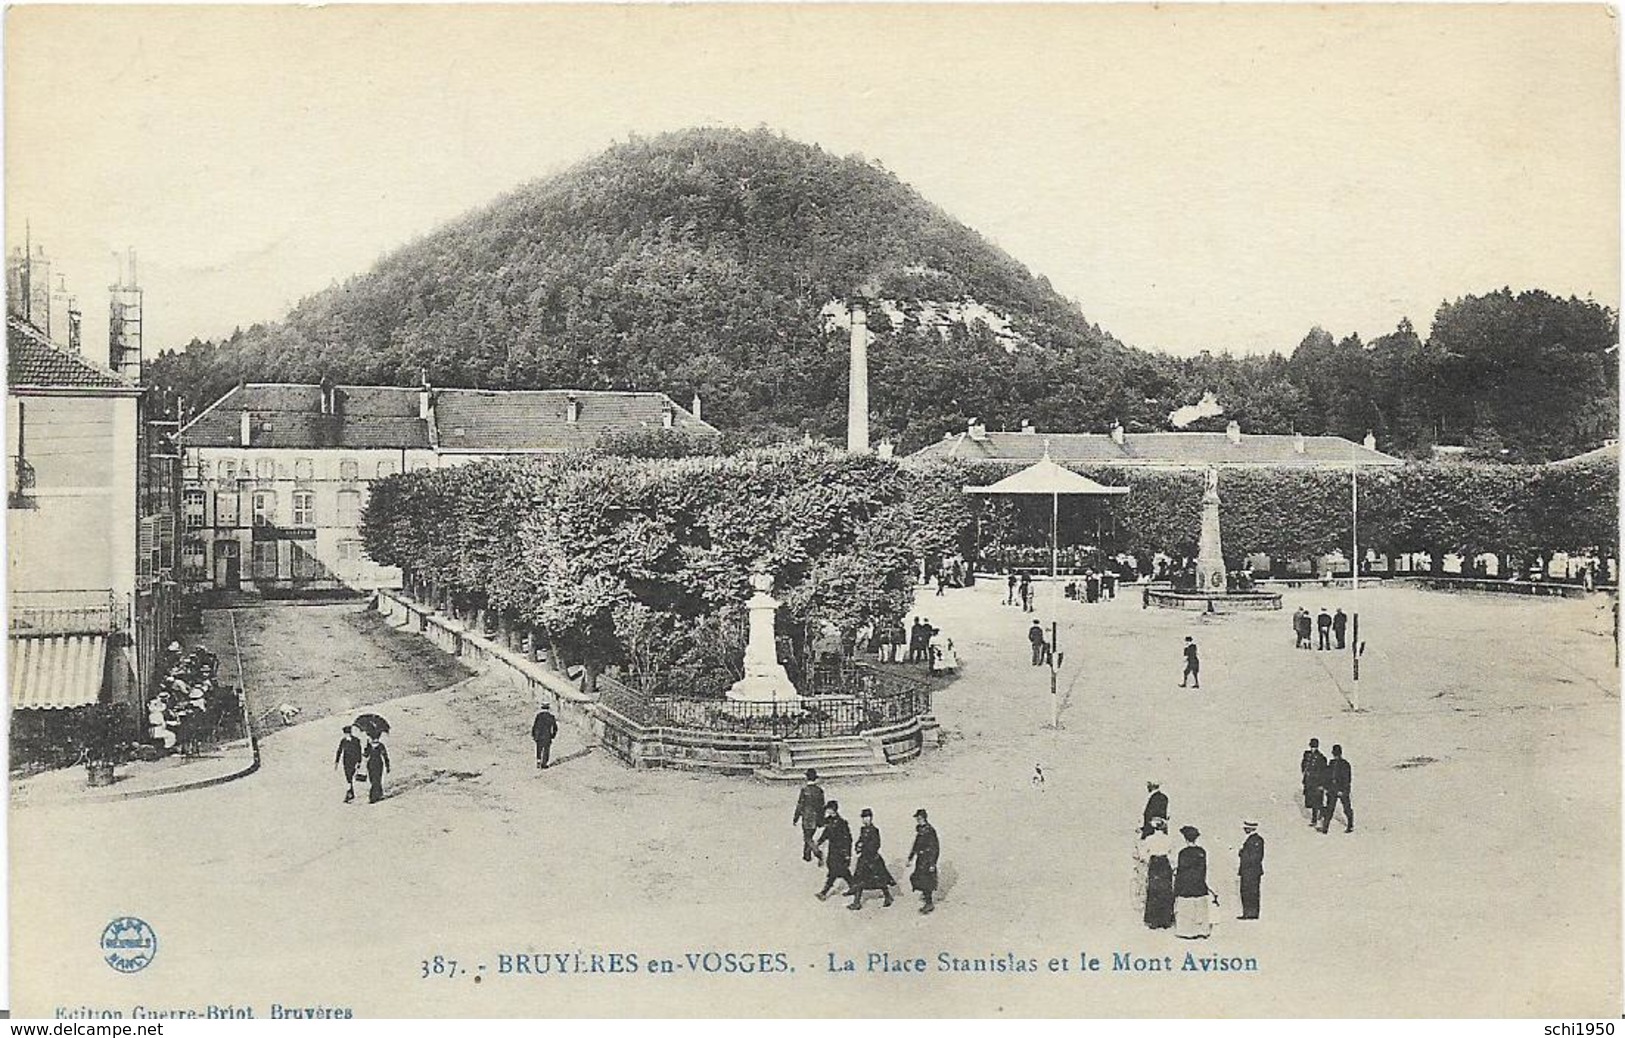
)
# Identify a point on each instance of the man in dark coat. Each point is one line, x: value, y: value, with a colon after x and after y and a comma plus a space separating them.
x: 923, y: 856
x: 1339, y: 782
x: 348, y: 757
x: 1035, y: 637
x: 809, y: 815
x: 1340, y: 625
x: 1010, y: 589
x: 1156, y: 806
x: 544, y: 730
x: 1323, y: 623
x: 1252, y: 870
x: 919, y: 636
x: 1026, y: 591
x: 377, y: 764
x: 1193, y: 665
x: 1313, y: 768
x: 869, y: 872
x: 836, y: 839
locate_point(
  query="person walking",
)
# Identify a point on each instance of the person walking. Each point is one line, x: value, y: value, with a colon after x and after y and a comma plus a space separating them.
x: 1251, y: 869
x: 1157, y: 849
x: 809, y: 814
x: 1339, y: 783
x: 1191, y: 919
x: 543, y: 731
x: 942, y: 581
x: 1026, y: 591
x: 836, y: 839
x: 923, y: 856
x: 1340, y: 625
x: 1193, y: 665
x: 1010, y: 588
x: 1323, y: 623
x: 348, y: 757
x: 1313, y: 768
x: 1156, y: 806
x: 377, y: 765
x: 869, y: 871
x: 1035, y: 637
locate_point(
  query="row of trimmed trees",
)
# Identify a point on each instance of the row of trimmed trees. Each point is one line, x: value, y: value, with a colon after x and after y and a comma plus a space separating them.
x: 610, y: 559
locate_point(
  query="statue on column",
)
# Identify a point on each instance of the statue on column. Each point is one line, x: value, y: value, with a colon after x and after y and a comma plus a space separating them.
x: 765, y: 679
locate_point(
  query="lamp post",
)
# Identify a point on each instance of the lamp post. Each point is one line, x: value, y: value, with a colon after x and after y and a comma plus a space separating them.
x: 1354, y: 499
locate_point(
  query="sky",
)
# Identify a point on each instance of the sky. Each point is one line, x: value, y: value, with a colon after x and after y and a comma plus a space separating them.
x: 1211, y: 177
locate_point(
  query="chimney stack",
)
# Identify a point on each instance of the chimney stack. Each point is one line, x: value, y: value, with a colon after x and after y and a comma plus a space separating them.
x: 668, y: 414
x: 1370, y: 440
x: 1028, y: 428
x: 976, y: 430
x: 857, y: 391
x: 572, y: 409
x: 695, y: 407
x: 1117, y: 433
x: 1297, y: 442
x: 1232, y: 432
x: 425, y: 397
x: 884, y: 449
x: 247, y: 428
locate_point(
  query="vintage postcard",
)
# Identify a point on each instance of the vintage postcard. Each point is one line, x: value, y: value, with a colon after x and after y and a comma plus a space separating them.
x: 813, y: 511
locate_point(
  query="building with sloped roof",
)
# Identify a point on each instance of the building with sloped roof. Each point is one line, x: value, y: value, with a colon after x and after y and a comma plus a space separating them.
x: 277, y: 474
x: 90, y: 514
x: 1157, y: 450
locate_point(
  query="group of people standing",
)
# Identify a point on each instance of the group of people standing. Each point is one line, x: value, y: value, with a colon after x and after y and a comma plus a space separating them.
x: 916, y: 643
x: 1094, y: 587
x: 826, y: 837
x: 1304, y: 626
x: 1019, y: 591
x: 1326, y: 784
x: 1171, y: 888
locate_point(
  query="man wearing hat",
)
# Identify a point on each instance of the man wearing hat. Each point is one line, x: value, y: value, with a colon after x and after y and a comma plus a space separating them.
x: 348, y: 757
x: 836, y: 837
x: 1313, y: 767
x: 869, y: 872
x: 923, y: 856
x: 544, y: 729
x: 1339, y: 782
x: 1252, y: 870
x: 1156, y: 806
x: 809, y: 813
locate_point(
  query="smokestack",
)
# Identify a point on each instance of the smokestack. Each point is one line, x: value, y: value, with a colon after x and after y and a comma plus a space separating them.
x: 247, y: 428
x: 857, y: 393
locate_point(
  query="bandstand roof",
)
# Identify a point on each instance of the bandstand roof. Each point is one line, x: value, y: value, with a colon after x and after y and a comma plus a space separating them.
x: 1046, y: 477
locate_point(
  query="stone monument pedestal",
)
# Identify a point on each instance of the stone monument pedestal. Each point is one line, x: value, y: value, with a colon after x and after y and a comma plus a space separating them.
x: 765, y: 680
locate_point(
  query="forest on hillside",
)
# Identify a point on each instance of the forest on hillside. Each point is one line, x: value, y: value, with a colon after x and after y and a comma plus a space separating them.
x: 701, y: 261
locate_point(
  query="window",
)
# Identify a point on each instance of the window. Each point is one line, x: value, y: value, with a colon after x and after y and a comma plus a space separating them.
x: 304, y: 508
x: 264, y: 507
x: 195, y: 507
x: 225, y: 508
x: 228, y: 470
x: 350, y: 551
x: 349, y: 469
x: 265, y: 468
x: 265, y: 560
x: 305, y: 565
x: 193, y: 560
x: 205, y: 469
x: 303, y: 469
x: 349, y: 507
x: 386, y: 469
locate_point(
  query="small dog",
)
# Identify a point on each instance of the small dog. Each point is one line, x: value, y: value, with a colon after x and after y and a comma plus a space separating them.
x: 1038, y: 776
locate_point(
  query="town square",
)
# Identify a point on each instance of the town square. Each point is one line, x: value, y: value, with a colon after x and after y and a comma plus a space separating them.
x: 676, y: 568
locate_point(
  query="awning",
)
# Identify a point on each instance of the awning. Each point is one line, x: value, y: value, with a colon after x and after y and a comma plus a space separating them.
x: 58, y: 671
x: 1046, y: 477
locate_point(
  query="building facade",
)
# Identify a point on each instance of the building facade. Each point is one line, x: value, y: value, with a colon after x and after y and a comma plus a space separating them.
x: 91, y: 532
x: 276, y: 475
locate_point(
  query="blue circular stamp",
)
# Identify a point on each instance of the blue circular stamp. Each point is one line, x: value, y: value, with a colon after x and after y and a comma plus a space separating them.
x: 129, y: 944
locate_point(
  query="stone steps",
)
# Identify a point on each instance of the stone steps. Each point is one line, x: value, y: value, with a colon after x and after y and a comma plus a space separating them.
x: 843, y: 757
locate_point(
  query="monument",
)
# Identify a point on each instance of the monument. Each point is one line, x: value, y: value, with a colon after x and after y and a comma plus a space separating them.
x: 765, y: 680
x: 1212, y: 592
x: 1210, y: 573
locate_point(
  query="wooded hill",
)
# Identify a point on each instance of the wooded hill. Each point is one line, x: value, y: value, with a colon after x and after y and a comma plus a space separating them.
x: 703, y: 262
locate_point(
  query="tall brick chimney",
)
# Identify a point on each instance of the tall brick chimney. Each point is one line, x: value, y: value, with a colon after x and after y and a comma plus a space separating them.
x: 857, y: 393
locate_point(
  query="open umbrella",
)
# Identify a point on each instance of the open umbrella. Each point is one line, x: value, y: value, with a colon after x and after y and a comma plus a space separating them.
x: 372, y: 724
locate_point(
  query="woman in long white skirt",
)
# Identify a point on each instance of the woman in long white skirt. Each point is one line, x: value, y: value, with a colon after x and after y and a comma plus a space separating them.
x: 1191, y: 892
